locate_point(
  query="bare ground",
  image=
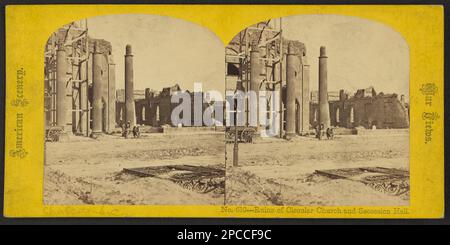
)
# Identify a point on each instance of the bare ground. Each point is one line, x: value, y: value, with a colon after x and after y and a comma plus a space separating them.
x: 270, y: 172
x: 278, y: 172
x: 87, y: 171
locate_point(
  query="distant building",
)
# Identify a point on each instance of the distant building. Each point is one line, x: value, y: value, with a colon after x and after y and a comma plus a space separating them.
x: 366, y: 108
x: 154, y: 108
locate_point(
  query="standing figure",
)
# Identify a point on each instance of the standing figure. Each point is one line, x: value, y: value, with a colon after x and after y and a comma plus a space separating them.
x: 330, y: 133
x: 320, y: 131
x: 125, y: 129
x: 136, y: 131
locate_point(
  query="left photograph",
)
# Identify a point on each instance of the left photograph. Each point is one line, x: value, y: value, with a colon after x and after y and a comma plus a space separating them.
x: 127, y: 118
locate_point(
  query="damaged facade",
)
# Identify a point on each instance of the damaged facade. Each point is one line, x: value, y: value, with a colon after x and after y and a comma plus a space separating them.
x: 366, y: 108
x: 155, y: 108
x: 81, y: 96
x: 281, y: 65
x: 260, y: 59
x: 73, y: 60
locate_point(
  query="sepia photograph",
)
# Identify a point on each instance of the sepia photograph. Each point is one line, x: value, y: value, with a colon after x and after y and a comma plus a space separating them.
x: 328, y: 121
x: 112, y: 84
x: 305, y: 110
x: 224, y: 114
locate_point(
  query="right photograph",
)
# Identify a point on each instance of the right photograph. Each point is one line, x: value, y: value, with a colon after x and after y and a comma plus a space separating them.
x: 317, y: 113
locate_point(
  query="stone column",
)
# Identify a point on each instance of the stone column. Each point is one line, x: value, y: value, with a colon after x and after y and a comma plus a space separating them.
x: 84, y: 126
x: 291, y: 78
x: 48, y: 97
x: 305, y: 99
x: 130, y: 115
x: 324, y: 110
x: 148, y: 106
x: 254, y: 85
x: 105, y: 92
x: 299, y: 92
x: 62, y: 100
x: 278, y: 90
x: 74, y: 91
x: 97, y: 103
x: 111, y: 95
x: 342, y: 116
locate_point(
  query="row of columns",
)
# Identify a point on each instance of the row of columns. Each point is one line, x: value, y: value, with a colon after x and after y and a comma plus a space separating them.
x: 97, y: 115
x: 294, y: 76
x: 103, y: 94
x: 297, y: 91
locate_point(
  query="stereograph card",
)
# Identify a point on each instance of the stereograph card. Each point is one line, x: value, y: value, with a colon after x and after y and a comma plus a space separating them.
x: 263, y: 111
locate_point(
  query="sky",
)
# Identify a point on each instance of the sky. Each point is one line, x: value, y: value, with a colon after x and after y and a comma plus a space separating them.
x: 166, y: 51
x: 361, y: 53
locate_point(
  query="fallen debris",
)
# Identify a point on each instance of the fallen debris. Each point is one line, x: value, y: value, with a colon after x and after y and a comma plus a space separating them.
x: 387, y: 180
x: 197, y: 178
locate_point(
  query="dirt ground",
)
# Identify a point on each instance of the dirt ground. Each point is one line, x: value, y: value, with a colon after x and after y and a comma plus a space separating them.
x: 87, y: 171
x: 271, y: 171
x: 278, y: 172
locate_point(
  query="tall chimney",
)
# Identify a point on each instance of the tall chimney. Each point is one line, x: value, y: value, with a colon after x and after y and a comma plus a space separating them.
x: 254, y: 85
x: 324, y: 110
x: 130, y: 115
